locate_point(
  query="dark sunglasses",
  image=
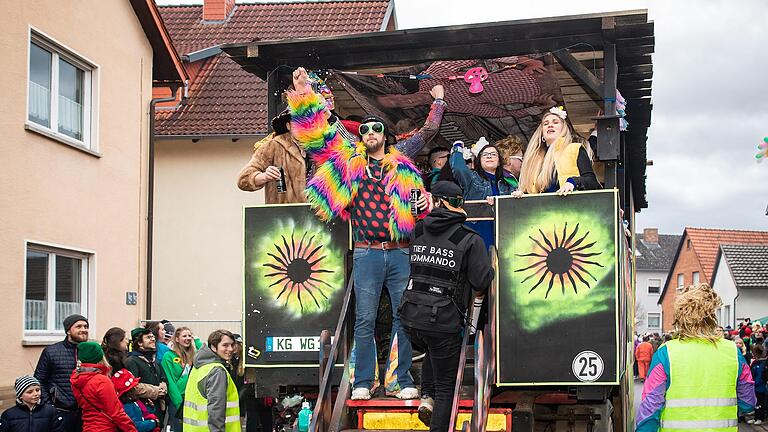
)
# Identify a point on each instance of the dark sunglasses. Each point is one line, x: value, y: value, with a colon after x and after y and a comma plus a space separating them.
x: 377, y: 127
x: 453, y: 201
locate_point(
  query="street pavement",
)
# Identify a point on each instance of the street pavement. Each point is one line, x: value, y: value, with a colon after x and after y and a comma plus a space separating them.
x: 743, y: 427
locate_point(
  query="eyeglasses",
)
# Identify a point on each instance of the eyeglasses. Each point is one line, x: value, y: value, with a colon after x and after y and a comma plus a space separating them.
x: 489, y: 155
x: 520, y: 158
x: 376, y: 127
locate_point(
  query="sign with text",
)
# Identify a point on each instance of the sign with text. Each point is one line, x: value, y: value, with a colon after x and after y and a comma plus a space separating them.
x: 557, y: 283
x: 294, y: 283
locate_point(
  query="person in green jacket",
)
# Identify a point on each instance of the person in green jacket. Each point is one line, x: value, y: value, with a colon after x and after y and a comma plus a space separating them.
x: 177, y: 364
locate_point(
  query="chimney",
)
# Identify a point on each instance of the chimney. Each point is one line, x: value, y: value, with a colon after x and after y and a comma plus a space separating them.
x: 217, y: 10
x: 651, y: 236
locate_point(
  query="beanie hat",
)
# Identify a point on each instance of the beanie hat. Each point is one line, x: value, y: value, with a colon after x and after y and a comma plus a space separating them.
x: 89, y: 352
x: 168, y: 327
x: 23, y: 383
x: 138, y: 332
x: 123, y: 380
x: 72, y: 319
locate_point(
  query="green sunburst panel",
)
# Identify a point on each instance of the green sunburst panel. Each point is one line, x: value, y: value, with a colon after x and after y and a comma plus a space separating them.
x: 297, y: 267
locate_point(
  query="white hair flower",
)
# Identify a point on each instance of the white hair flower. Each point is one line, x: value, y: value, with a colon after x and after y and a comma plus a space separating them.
x: 479, y: 145
x: 559, y: 111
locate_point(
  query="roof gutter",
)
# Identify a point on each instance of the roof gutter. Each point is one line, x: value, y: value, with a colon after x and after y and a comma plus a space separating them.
x: 151, y: 191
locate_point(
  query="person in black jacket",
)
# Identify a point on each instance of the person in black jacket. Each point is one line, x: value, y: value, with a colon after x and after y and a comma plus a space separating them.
x: 143, y: 364
x: 29, y: 415
x: 447, y: 259
x: 54, y: 367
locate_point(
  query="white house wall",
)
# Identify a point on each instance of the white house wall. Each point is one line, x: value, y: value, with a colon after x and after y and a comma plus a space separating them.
x: 644, y: 302
x: 725, y: 287
x: 197, y: 254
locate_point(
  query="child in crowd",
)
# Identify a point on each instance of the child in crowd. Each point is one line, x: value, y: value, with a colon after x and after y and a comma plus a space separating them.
x: 29, y: 415
x: 125, y: 385
x: 759, y: 375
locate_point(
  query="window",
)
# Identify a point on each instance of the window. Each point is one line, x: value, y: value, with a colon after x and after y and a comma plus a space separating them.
x: 56, y: 287
x: 680, y: 282
x: 60, y: 94
x: 720, y: 316
x: 727, y: 315
x: 654, y: 286
x: 695, y: 278
x: 654, y: 320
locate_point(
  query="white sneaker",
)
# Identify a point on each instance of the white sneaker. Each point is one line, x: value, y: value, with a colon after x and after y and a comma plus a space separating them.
x: 758, y: 422
x: 408, y: 393
x: 425, y: 410
x: 361, y: 393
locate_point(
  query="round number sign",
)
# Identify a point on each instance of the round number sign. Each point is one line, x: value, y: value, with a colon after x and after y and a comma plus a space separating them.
x: 587, y: 366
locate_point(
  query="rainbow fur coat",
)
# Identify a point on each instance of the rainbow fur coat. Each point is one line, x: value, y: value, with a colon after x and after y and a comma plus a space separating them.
x: 340, y: 166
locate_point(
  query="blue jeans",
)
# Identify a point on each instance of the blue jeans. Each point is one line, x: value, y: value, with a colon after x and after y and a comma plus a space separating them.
x: 372, y: 270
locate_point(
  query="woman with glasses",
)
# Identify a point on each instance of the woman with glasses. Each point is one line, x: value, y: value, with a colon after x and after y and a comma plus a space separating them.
x: 486, y: 180
x: 553, y: 162
x: 483, y: 182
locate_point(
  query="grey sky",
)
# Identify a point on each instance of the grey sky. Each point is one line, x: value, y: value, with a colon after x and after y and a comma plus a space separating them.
x: 710, y: 99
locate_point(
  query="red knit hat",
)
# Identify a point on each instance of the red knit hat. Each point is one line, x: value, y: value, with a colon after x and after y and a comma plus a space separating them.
x: 123, y: 380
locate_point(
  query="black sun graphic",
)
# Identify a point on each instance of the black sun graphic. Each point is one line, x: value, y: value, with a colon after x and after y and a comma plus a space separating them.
x: 561, y: 257
x: 298, y: 270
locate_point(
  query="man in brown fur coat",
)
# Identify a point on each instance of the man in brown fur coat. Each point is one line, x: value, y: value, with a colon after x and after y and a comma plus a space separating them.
x: 278, y: 150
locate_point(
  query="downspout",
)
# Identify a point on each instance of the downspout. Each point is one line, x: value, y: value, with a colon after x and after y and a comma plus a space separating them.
x: 738, y: 293
x: 151, y: 189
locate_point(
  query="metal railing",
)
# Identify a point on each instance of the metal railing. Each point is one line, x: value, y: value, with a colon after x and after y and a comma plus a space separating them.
x: 70, y: 117
x: 202, y: 328
x: 39, y: 103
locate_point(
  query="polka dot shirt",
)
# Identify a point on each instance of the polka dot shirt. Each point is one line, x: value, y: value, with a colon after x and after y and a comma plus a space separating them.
x: 370, y: 208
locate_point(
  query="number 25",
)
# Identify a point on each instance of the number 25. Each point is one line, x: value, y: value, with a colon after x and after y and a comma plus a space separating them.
x: 588, y: 363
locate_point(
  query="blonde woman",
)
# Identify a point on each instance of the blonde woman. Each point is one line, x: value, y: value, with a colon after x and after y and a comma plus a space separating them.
x: 553, y: 162
x: 177, y: 364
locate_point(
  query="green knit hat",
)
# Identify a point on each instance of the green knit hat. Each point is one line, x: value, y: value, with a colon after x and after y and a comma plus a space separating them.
x: 138, y: 332
x: 89, y: 352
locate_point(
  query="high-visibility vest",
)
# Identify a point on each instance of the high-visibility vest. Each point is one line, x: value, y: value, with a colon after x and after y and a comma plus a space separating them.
x: 196, y: 406
x: 702, y: 387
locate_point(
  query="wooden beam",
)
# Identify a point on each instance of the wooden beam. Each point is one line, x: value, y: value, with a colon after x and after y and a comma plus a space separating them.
x: 579, y: 71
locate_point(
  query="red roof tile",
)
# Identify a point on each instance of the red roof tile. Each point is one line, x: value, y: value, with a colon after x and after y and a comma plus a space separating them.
x: 224, y: 99
x: 706, y: 243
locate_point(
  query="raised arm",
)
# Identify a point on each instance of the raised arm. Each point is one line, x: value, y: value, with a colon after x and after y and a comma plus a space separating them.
x: 461, y: 172
x: 330, y: 189
x: 413, y: 145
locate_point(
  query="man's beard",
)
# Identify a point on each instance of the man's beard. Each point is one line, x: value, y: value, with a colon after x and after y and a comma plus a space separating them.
x: 373, y: 148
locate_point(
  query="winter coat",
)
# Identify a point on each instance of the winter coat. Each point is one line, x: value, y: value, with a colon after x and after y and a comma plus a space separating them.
x: 53, y: 370
x: 177, y: 378
x: 152, y: 380
x: 758, y: 374
x: 214, y: 386
x: 644, y: 352
x: 41, y: 418
x: 96, y: 395
x: 279, y: 151
x: 140, y: 416
x: 475, y: 186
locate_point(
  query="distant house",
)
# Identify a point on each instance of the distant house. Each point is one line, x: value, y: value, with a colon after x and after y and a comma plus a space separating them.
x: 695, y: 259
x: 205, y: 139
x: 740, y: 278
x: 654, y: 254
x: 76, y: 94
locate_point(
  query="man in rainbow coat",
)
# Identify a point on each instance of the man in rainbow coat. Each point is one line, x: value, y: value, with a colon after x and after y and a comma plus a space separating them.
x: 370, y: 186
